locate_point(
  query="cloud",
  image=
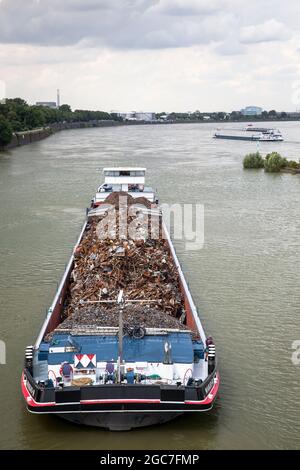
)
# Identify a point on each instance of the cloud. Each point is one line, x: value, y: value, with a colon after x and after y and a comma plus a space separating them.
x: 269, y: 31
x: 230, y: 46
x: 154, y: 54
x: 187, y: 7
x: 131, y: 24
x: 138, y: 24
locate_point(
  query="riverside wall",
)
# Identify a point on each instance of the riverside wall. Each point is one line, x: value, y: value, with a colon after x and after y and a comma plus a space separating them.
x: 25, y: 138
x: 28, y: 137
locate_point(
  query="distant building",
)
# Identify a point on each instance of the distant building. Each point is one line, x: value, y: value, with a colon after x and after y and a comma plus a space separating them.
x: 145, y: 116
x: 138, y: 116
x: 252, y: 111
x: 294, y: 115
x: 47, y: 104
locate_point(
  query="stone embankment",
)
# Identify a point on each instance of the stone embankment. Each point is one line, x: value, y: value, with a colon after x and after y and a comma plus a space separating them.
x: 28, y: 137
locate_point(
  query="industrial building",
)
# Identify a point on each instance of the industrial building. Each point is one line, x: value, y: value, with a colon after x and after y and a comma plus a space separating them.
x: 252, y: 111
x: 50, y: 104
x: 47, y: 104
x: 137, y: 116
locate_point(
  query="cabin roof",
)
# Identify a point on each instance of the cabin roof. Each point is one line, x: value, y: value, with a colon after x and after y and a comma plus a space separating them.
x: 124, y: 168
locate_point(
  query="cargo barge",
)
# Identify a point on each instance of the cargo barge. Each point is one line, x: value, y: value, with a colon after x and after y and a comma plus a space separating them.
x: 266, y: 135
x: 252, y: 138
x: 122, y: 345
x: 251, y: 128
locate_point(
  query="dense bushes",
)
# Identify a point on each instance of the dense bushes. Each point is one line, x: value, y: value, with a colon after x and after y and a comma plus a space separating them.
x: 253, y: 160
x: 5, y: 131
x: 273, y: 163
x: 293, y: 165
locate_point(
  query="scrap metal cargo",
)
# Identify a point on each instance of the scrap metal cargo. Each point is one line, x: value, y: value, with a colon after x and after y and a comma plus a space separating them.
x: 144, y: 268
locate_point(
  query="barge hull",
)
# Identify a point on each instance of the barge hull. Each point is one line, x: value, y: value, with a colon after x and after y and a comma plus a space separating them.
x: 124, y: 414
x: 114, y: 404
x: 120, y: 421
x: 230, y: 137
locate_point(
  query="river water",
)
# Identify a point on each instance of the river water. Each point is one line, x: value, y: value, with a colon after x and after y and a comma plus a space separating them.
x: 245, y: 280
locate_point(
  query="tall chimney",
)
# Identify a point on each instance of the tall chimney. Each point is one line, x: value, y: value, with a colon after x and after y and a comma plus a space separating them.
x: 58, y: 99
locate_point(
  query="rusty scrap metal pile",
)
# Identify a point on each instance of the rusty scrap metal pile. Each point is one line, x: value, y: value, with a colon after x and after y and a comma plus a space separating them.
x: 116, y: 197
x: 143, y: 268
x: 133, y: 315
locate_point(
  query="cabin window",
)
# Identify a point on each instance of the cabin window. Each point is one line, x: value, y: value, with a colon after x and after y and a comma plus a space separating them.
x: 111, y: 173
x: 124, y: 173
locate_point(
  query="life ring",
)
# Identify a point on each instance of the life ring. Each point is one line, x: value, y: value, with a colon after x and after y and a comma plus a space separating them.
x: 61, y: 369
x: 138, y: 332
x: 185, y: 378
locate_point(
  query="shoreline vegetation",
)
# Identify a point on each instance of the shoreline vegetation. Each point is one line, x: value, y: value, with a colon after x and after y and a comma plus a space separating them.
x: 272, y: 163
x: 21, y: 123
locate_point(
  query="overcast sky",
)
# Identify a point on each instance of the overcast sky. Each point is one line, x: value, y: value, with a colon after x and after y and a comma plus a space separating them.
x: 152, y: 55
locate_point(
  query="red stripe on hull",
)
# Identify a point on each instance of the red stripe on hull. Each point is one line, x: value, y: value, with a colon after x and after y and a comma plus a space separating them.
x: 33, y: 403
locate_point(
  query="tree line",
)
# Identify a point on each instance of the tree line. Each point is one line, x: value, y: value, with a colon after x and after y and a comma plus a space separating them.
x: 16, y: 115
x: 222, y: 116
